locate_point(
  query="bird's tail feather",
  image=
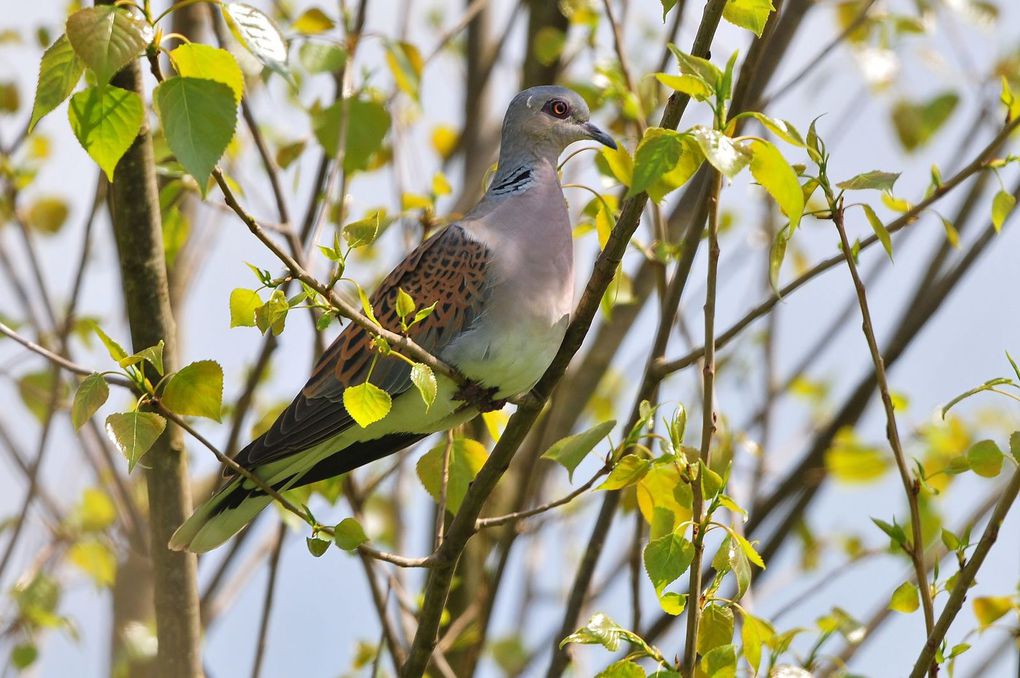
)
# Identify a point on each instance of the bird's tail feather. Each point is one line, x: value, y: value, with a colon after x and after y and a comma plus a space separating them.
x: 219, y: 518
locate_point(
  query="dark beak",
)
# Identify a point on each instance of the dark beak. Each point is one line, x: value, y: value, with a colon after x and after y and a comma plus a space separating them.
x: 598, y: 135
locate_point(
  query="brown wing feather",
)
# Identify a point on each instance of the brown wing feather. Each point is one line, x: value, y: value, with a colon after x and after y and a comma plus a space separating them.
x: 449, y: 269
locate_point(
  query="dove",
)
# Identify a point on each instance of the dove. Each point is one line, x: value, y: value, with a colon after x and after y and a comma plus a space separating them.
x: 502, y: 281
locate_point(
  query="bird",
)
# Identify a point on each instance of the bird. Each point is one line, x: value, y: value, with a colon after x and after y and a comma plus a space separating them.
x: 502, y: 281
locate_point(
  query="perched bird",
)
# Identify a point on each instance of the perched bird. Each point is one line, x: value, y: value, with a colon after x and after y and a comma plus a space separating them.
x: 502, y: 279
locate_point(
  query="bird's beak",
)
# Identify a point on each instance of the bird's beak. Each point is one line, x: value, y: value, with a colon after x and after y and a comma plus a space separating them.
x: 598, y: 135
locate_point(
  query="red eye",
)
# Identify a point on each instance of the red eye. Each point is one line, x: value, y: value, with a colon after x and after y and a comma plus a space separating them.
x: 558, y: 108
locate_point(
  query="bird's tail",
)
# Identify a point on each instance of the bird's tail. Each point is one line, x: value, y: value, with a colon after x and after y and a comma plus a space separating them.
x: 220, y: 517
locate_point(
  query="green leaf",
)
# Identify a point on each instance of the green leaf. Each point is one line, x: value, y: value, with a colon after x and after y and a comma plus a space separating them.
x: 105, y: 120
x: 721, y: 151
x: 317, y: 547
x: 90, y: 396
x: 570, y: 451
x: 781, y: 128
x: 196, y: 390
x: 362, y: 232
x: 368, y: 122
x: 749, y: 14
x: 134, y: 433
x: 406, y: 65
x: 851, y: 461
x: 349, y: 535
x: 107, y: 38
x: 658, y: 152
x: 667, y: 5
x: 894, y: 531
x: 691, y: 85
x: 404, y: 304
x: 770, y: 169
x: 195, y: 60
x: 320, y: 57
x: 879, y: 228
x: 692, y: 65
x: 24, y: 655
x: 601, y: 630
x: 115, y: 350
x: 272, y: 315
x: 730, y: 558
x: 425, y: 381
x: 673, y: 604
x: 917, y: 123
x: 988, y: 609
x: 59, y: 73
x: 777, y: 253
x: 466, y: 458
x: 748, y: 549
x: 715, y: 629
x: 36, y: 391
x: 198, y: 117
x: 755, y: 634
x: 153, y: 354
x: 366, y: 403
x: 666, y: 558
x: 720, y: 662
x: 875, y: 179
x: 622, y: 669
x: 258, y: 34
x: 627, y: 471
x: 243, y: 304
x: 1002, y: 204
x: 1014, y: 445
x: 905, y: 598
x: 94, y: 559
x: 985, y: 458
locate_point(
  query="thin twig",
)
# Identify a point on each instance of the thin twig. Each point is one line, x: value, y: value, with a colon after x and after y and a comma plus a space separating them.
x: 267, y: 601
x: 495, y: 521
x: 910, y: 485
x: 61, y: 361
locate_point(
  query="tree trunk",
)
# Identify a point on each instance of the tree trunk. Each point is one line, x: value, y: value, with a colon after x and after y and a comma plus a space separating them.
x: 134, y: 206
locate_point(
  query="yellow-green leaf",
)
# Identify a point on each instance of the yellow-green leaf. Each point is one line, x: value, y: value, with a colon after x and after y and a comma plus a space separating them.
x: 658, y: 152
x: 985, y: 458
x: 134, y: 433
x: 195, y: 60
x: 199, y: 116
x: 1002, y: 205
x: 569, y: 452
x: 243, y: 303
x: 59, y: 73
x: 362, y: 232
x: 720, y: 150
x: 773, y: 172
x: 258, y: 34
x: 425, y: 381
x: 312, y: 22
x: 366, y: 403
x: 107, y: 38
x: 349, y: 534
x: 96, y: 511
x: 879, y: 228
x: 749, y: 14
x: 105, y: 120
x: 850, y: 461
x: 904, y: 598
x: 90, y: 396
x: 406, y: 65
x: 690, y: 85
x: 666, y: 558
x: 627, y: 471
x: 196, y: 390
x: 368, y: 121
x: 466, y: 459
x: 988, y: 609
x: 47, y: 214
x: 875, y: 180
x: 94, y: 559
x: 716, y: 628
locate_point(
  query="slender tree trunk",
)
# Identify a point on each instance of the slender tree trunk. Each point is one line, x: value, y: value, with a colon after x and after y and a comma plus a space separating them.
x: 134, y: 206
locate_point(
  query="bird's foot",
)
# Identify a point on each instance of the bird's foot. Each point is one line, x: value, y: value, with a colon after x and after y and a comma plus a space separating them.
x: 484, y: 399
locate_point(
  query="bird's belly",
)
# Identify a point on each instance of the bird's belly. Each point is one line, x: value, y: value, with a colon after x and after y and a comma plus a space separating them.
x: 510, y: 355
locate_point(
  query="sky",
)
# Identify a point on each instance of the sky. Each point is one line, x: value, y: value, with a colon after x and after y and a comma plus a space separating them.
x: 962, y: 346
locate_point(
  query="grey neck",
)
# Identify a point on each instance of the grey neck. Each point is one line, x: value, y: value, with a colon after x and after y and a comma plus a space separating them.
x: 518, y: 169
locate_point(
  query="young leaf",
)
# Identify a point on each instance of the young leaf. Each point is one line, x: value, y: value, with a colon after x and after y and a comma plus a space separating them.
x: 134, y: 433
x: 716, y: 628
x: 755, y: 634
x: 96, y: 511
x: 317, y: 547
x: 985, y: 458
x: 658, y: 152
x: 319, y: 57
x: 366, y: 403
x: 115, y: 350
x: 904, y: 598
x: 36, y: 391
x: 349, y: 535
x: 627, y: 471
x: 107, y: 38
x: 622, y: 669
x: 894, y: 531
x: 272, y: 315
x: 196, y: 390
x: 368, y: 122
x: 105, y: 120
x: 1002, y: 204
x: 770, y: 169
x: 243, y: 304
x: 601, y: 630
x: 90, y: 396
x: 569, y: 452
x: 875, y: 179
x: 95, y: 559
x: 720, y: 662
x: 405, y: 304
x: 199, y: 117
x: 59, y: 73
x: 777, y: 253
x: 258, y: 34
x: 879, y: 228
x: 312, y: 22
x: 781, y: 128
x: 721, y: 151
x: 361, y: 232
x: 466, y: 459
x: 917, y: 123
x: 666, y: 558
x: 406, y: 65
x: 195, y: 60
x: 153, y: 354
x: 749, y: 14
x: 691, y: 85
x: 692, y: 65
x: 988, y: 609
x: 425, y: 381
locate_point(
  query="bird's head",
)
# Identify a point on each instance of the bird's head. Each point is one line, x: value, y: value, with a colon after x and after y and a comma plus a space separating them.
x: 552, y: 117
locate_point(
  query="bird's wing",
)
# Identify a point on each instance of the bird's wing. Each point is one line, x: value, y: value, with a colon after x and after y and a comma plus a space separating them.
x: 449, y: 269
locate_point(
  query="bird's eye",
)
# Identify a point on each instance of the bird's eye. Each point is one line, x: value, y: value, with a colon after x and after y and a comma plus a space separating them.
x: 557, y: 108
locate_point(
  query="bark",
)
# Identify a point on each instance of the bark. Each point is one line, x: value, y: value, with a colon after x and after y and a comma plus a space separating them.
x: 134, y: 207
